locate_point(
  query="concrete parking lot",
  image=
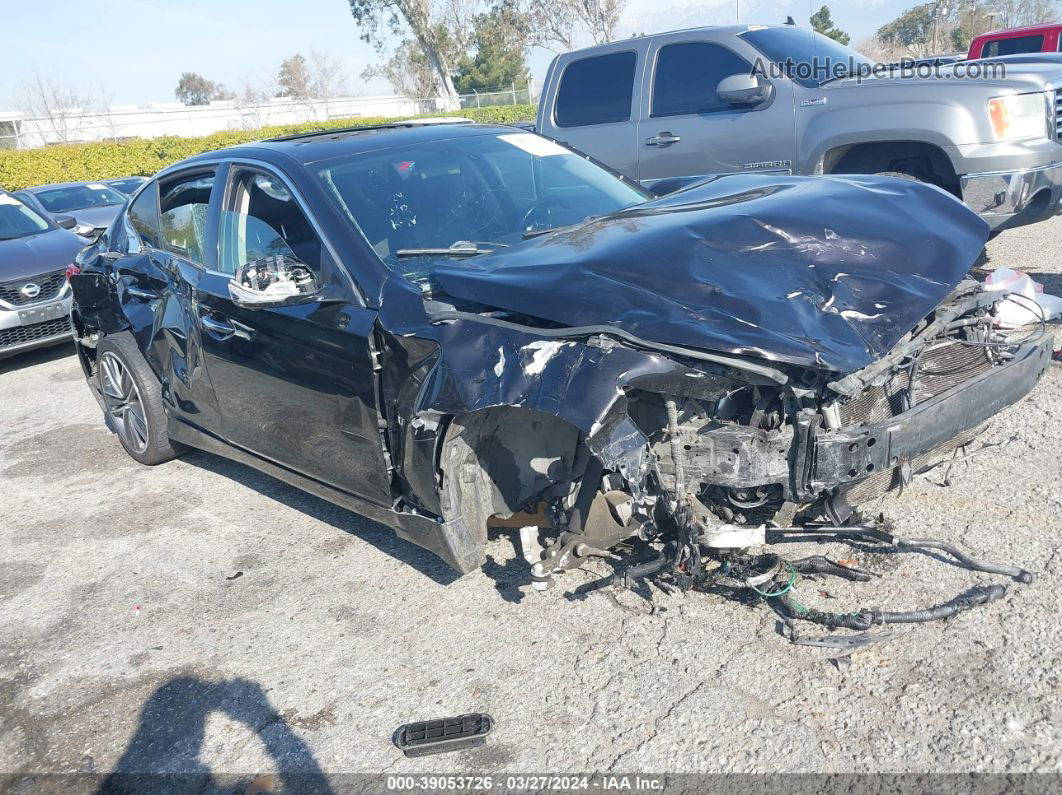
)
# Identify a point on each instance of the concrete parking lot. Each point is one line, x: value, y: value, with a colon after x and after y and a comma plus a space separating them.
x: 201, y: 617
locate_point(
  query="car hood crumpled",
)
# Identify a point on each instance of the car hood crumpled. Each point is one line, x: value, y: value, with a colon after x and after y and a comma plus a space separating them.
x: 819, y: 271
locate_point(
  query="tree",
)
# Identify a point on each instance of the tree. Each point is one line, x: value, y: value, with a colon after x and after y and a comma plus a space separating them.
x: 432, y: 24
x: 926, y: 29
x: 194, y: 89
x: 293, y: 79
x: 498, y: 43
x: 555, y: 24
x: 57, y: 108
x: 407, y: 70
x: 600, y: 17
x: 822, y: 22
x: 912, y: 30
x: 312, y: 81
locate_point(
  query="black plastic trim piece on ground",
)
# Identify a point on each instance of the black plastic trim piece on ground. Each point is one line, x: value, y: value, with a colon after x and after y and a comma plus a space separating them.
x: 446, y: 734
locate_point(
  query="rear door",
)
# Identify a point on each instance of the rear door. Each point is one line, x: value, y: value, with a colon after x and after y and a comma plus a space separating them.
x: 164, y: 235
x: 295, y: 384
x: 686, y: 130
x: 595, y: 105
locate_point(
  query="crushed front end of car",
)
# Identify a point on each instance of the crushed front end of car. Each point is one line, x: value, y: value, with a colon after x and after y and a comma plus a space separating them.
x: 708, y: 373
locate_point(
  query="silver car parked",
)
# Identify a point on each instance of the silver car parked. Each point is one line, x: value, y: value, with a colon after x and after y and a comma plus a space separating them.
x: 35, y: 253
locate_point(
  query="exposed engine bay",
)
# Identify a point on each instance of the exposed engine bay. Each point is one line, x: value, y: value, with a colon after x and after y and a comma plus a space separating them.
x: 736, y: 462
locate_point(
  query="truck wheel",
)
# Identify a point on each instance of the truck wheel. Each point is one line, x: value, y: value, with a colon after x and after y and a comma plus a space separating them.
x: 133, y: 400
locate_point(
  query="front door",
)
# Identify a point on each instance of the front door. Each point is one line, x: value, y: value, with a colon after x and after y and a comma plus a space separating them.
x: 686, y: 130
x: 295, y: 384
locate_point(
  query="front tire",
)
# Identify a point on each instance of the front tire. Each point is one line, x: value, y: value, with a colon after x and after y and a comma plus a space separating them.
x: 133, y: 400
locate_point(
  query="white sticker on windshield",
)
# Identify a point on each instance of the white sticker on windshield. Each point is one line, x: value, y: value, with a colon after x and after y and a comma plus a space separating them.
x: 97, y: 186
x: 5, y: 199
x: 534, y: 144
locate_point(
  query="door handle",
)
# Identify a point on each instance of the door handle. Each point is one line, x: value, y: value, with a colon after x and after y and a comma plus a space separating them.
x: 663, y: 139
x: 226, y: 329
x: 140, y: 292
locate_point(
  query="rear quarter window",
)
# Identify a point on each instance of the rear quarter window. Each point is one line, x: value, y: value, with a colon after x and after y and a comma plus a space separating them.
x: 1015, y: 46
x: 597, y: 90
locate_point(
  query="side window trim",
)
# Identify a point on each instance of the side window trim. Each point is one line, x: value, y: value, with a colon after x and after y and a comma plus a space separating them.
x: 226, y: 197
x: 652, y: 73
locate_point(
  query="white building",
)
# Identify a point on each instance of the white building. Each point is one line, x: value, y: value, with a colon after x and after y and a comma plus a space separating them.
x: 173, y: 118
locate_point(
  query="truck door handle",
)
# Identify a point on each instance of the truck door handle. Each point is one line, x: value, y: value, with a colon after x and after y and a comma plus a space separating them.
x: 225, y: 329
x: 662, y: 139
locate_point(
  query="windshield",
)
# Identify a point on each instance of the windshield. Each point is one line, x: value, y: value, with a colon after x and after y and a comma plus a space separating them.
x: 77, y: 197
x: 127, y: 186
x: 486, y: 189
x: 805, y: 56
x: 18, y: 220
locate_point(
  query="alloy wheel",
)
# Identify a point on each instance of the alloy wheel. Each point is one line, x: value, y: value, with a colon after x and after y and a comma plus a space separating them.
x: 122, y: 398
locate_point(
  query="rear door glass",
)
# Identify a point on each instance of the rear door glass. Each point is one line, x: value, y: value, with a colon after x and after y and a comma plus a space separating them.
x: 597, y: 90
x: 184, y: 205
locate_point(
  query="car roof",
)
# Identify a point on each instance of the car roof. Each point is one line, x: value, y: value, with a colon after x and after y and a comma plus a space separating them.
x: 325, y: 144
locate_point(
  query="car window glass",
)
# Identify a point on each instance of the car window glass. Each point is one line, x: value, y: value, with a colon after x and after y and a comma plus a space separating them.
x: 78, y: 197
x: 1015, y: 46
x: 688, y: 74
x: 597, y: 90
x: 18, y: 220
x: 265, y: 221
x: 183, y: 208
x: 144, y: 216
x: 480, y: 188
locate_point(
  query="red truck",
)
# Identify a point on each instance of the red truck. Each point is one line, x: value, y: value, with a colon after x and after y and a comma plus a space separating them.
x: 1035, y: 38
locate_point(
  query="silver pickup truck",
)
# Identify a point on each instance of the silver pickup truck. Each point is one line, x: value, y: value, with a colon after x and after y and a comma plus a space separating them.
x: 745, y: 98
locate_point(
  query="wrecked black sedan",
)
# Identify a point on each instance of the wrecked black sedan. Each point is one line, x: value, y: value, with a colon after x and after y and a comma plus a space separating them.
x: 437, y: 326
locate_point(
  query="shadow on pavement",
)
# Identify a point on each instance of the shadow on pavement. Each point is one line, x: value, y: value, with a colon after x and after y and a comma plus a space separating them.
x: 163, y: 755
x: 380, y: 536
x: 21, y: 361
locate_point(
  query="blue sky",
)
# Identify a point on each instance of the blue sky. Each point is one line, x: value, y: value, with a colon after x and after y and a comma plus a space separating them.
x: 133, y: 51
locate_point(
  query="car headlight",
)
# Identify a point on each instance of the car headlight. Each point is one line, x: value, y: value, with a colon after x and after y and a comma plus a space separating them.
x: 85, y: 230
x: 1017, y: 117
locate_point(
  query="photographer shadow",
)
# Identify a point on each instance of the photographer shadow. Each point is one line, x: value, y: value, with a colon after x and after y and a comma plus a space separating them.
x: 163, y: 755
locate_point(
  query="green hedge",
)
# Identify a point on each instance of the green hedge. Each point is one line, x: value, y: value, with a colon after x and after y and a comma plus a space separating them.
x: 21, y: 168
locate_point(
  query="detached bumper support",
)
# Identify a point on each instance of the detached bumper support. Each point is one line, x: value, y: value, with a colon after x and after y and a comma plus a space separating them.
x: 853, y: 453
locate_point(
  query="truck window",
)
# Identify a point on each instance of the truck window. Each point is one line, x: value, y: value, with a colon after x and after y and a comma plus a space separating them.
x: 596, y: 90
x: 1014, y: 46
x: 687, y: 75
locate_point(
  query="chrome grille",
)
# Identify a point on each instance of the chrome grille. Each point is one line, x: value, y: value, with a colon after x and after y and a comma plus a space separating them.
x: 1058, y: 114
x: 49, y: 283
x: 38, y: 331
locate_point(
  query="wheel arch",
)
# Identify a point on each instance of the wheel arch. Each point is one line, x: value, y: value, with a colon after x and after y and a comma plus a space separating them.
x: 907, y: 156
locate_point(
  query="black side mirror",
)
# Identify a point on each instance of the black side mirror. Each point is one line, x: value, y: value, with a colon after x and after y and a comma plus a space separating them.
x: 66, y: 221
x: 276, y: 280
x: 744, y: 89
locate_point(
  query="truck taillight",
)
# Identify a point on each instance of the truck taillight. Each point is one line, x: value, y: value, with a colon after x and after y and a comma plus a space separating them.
x: 72, y: 270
